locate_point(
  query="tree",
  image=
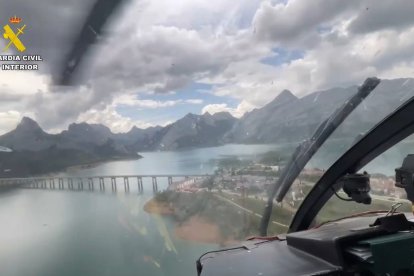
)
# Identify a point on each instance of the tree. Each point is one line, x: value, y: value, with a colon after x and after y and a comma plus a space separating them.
x: 208, y: 183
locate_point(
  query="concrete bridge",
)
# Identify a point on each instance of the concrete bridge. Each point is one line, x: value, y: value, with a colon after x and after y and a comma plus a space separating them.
x: 93, y: 182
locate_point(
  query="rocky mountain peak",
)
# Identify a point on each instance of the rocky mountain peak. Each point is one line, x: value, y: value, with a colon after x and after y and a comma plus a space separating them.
x: 223, y: 116
x: 284, y: 96
x: 88, y: 127
x: 28, y: 124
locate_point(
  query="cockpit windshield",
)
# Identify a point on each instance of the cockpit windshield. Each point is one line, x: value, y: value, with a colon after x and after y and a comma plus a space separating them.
x: 137, y: 135
x: 376, y: 107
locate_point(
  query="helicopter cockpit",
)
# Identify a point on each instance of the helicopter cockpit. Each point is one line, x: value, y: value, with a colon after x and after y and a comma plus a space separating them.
x: 375, y: 239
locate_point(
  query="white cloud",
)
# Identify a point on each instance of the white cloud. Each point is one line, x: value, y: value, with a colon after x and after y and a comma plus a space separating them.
x: 167, y: 58
x: 9, y: 120
x: 194, y: 101
x: 132, y: 100
x: 297, y: 20
x: 110, y: 118
x: 396, y: 14
x: 168, y: 45
x: 193, y: 14
x: 338, y: 59
x: 237, y: 112
x: 23, y: 83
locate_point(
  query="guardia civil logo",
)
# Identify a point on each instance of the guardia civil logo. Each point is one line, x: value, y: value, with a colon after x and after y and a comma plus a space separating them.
x: 13, y: 36
x: 13, y: 33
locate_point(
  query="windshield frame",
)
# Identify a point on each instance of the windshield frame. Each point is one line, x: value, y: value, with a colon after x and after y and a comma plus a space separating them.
x: 306, y: 150
x: 390, y: 131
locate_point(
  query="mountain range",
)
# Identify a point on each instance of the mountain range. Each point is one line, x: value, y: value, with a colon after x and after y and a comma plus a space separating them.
x: 188, y: 132
x: 285, y: 119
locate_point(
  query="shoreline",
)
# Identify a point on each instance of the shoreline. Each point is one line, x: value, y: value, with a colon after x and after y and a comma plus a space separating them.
x: 195, y: 229
x: 88, y: 165
x: 157, y: 208
x: 198, y: 229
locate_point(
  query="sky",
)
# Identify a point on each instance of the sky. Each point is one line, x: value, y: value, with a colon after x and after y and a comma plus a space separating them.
x: 158, y: 60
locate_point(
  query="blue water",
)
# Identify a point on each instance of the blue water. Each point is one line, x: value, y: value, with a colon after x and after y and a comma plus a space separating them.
x: 51, y: 232
x: 195, y: 161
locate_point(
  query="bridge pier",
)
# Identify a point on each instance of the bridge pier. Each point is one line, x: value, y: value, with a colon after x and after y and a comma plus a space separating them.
x: 80, y: 184
x: 113, y: 183
x: 49, y: 182
x: 126, y: 183
x: 90, y: 184
x: 140, y: 186
x: 70, y: 183
x: 154, y: 184
x: 52, y: 183
x: 61, y: 185
x: 101, y: 184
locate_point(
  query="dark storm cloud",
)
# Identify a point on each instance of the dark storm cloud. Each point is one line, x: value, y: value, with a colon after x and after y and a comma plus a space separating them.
x: 57, y: 109
x: 172, y: 84
x: 51, y: 25
x: 378, y: 15
x: 164, y: 58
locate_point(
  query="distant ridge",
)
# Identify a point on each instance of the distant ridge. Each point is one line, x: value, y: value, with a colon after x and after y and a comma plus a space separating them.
x: 285, y: 119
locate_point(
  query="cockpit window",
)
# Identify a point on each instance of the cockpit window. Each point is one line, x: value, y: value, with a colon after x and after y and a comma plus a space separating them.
x: 137, y: 135
x: 384, y: 193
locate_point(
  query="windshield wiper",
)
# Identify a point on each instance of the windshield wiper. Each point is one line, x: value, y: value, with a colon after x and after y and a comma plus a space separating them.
x: 308, y: 148
x: 92, y: 28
